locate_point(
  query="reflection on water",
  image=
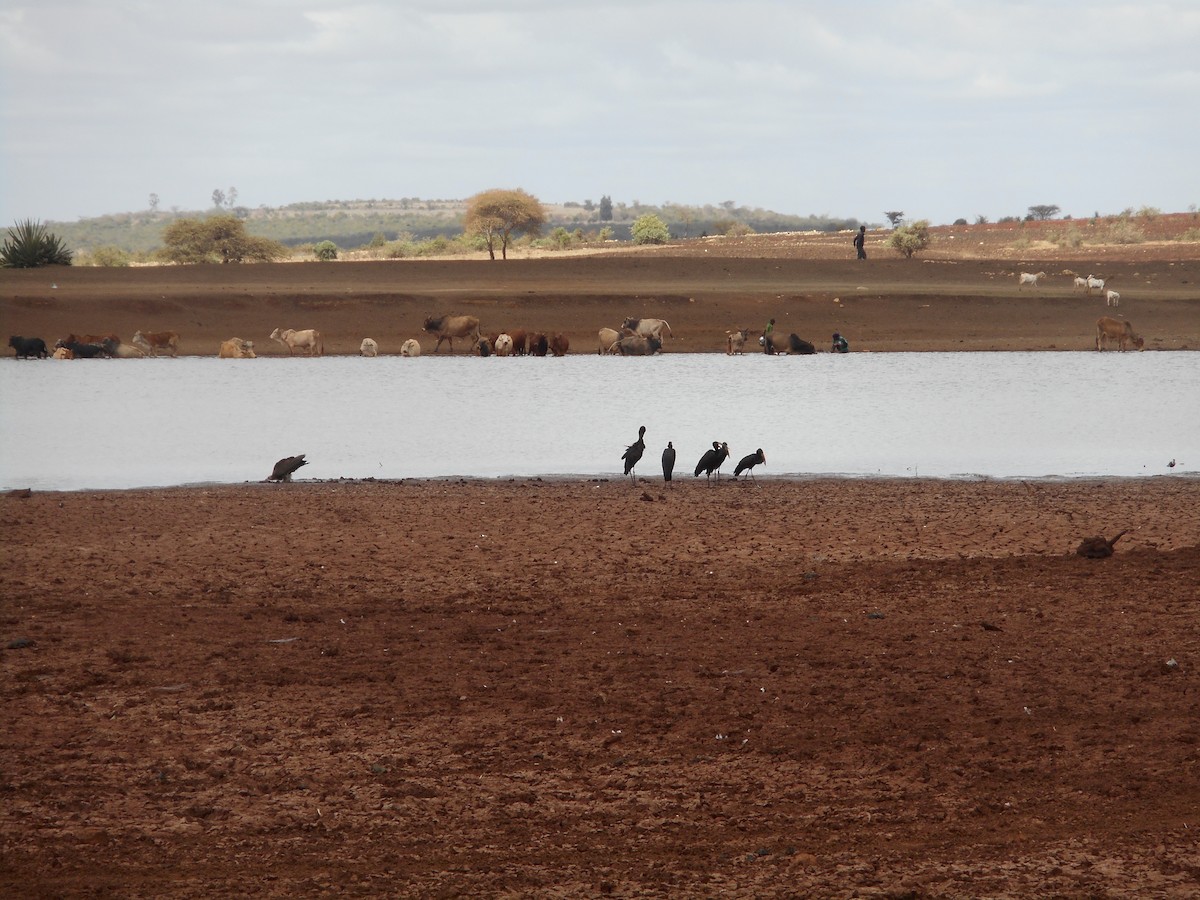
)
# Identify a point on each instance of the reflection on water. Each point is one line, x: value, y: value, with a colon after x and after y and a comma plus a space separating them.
x: 128, y: 423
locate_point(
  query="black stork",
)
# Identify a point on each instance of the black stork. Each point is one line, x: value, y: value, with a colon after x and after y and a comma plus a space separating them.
x: 634, y: 452
x: 747, y: 463
x: 712, y: 459
x: 285, y: 467
x: 668, y: 461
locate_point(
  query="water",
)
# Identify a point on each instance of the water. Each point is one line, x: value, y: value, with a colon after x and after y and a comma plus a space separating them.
x: 134, y: 423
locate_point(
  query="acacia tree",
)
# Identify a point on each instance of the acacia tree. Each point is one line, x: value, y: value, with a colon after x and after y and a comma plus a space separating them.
x: 894, y: 216
x: 1043, y: 212
x: 217, y: 239
x: 497, y: 215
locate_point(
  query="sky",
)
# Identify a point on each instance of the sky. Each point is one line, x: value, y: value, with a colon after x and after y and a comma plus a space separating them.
x: 935, y: 108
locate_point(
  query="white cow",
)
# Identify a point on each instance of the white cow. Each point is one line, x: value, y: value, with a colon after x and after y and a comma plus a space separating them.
x: 503, y: 345
x: 410, y: 348
x: 368, y: 347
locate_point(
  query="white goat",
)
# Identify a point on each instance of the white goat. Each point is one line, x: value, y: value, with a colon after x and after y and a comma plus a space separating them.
x: 1113, y: 298
x: 1026, y: 278
x: 1080, y: 282
x: 1094, y: 284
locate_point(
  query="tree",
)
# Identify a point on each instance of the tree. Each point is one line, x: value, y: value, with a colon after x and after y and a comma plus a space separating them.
x: 649, y: 229
x: 910, y: 239
x: 217, y: 239
x: 895, y: 216
x: 326, y: 251
x: 231, y: 198
x: 153, y: 202
x: 218, y: 198
x: 1043, y: 212
x: 29, y: 246
x: 497, y: 215
x: 606, y: 208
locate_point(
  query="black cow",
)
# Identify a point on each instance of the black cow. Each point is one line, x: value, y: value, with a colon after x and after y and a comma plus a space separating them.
x: 792, y: 344
x: 27, y: 347
x: 84, y: 351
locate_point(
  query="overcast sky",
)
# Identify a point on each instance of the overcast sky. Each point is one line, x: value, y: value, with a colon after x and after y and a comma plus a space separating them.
x: 940, y: 109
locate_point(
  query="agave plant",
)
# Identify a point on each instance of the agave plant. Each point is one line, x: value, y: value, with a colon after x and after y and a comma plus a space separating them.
x: 29, y: 245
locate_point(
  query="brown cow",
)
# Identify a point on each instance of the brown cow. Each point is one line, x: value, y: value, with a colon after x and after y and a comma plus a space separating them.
x: 447, y: 328
x: 736, y: 341
x: 559, y: 345
x: 150, y: 342
x: 538, y: 345
x: 1117, y: 330
x: 608, y: 337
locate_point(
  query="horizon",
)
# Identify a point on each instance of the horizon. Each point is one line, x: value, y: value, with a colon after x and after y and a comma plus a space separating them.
x: 941, y: 110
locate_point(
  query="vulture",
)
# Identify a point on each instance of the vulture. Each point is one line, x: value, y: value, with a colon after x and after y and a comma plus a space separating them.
x: 634, y: 452
x: 285, y: 467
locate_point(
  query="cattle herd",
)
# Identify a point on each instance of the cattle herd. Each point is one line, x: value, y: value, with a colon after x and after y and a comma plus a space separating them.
x: 635, y: 337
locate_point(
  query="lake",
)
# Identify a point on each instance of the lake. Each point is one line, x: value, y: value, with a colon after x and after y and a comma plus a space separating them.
x: 138, y: 423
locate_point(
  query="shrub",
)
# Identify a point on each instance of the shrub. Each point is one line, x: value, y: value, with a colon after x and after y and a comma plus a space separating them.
x: 109, y: 257
x: 1071, y: 238
x: 326, y: 251
x: 1123, y: 231
x: 29, y: 245
x: 606, y: 233
x: 910, y: 239
x: 649, y: 229
x: 960, y: 221
x: 738, y: 229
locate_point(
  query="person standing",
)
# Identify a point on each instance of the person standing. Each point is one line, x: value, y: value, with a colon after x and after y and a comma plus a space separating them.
x: 860, y: 240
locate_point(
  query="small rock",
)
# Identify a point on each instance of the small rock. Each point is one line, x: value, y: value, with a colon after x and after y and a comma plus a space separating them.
x: 22, y: 643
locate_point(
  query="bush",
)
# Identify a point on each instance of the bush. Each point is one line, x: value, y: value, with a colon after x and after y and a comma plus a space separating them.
x: 910, y: 239
x: 1071, y: 238
x: 1123, y: 231
x: 649, y: 229
x: 217, y: 239
x: 108, y: 257
x: 29, y: 245
x: 326, y: 251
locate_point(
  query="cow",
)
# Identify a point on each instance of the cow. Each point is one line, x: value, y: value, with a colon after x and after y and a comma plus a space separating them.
x: 62, y: 353
x: 792, y: 344
x: 83, y: 351
x: 28, y: 347
x: 519, y: 338
x: 654, y: 328
x: 559, y: 344
x: 236, y: 348
x: 608, y: 337
x: 368, y: 347
x: 411, y: 347
x: 636, y: 345
x: 447, y: 328
x: 503, y: 345
x: 1121, y: 331
x: 538, y: 345
x: 150, y: 342
x: 735, y: 341
x: 1031, y: 279
x: 102, y: 339
x: 309, y: 339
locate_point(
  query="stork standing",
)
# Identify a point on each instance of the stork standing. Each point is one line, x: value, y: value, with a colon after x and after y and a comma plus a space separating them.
x: 668, y: 461
x: 712, y: 459
x: 747, y: 463
x: 634, y: 452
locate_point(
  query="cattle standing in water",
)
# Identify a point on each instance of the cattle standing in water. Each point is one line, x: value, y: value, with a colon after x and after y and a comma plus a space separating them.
x: 655, y: 328
x: 735, y: 341
x: 28, y: 347
x: 792, y: 345
x: 411, y: 347
x: 83, y: 351
x: 150, y: 342
x: 368, y: 347
x: 559, y: 344
x: 309, y: 339
x: 634, y: 345
x: 538, y: 345
x: 608, y: 337
x: 447, y: 328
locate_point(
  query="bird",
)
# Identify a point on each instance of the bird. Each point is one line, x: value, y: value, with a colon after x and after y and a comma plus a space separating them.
x: 748, y: 463
x: 285, y: 467
x: 711, y: 460
x: 1171, y: 464
x: 1098, y: 547
x: 668, y: 461
x: 634, y: 452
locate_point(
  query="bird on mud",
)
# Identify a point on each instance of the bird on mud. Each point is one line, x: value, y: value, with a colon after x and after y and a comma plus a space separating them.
x: 634, y: 452
x: 748, y: 462
x: 1098, y: 547
x: 712, y: 459
x: 285, y: 467
x: 668, y: 461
